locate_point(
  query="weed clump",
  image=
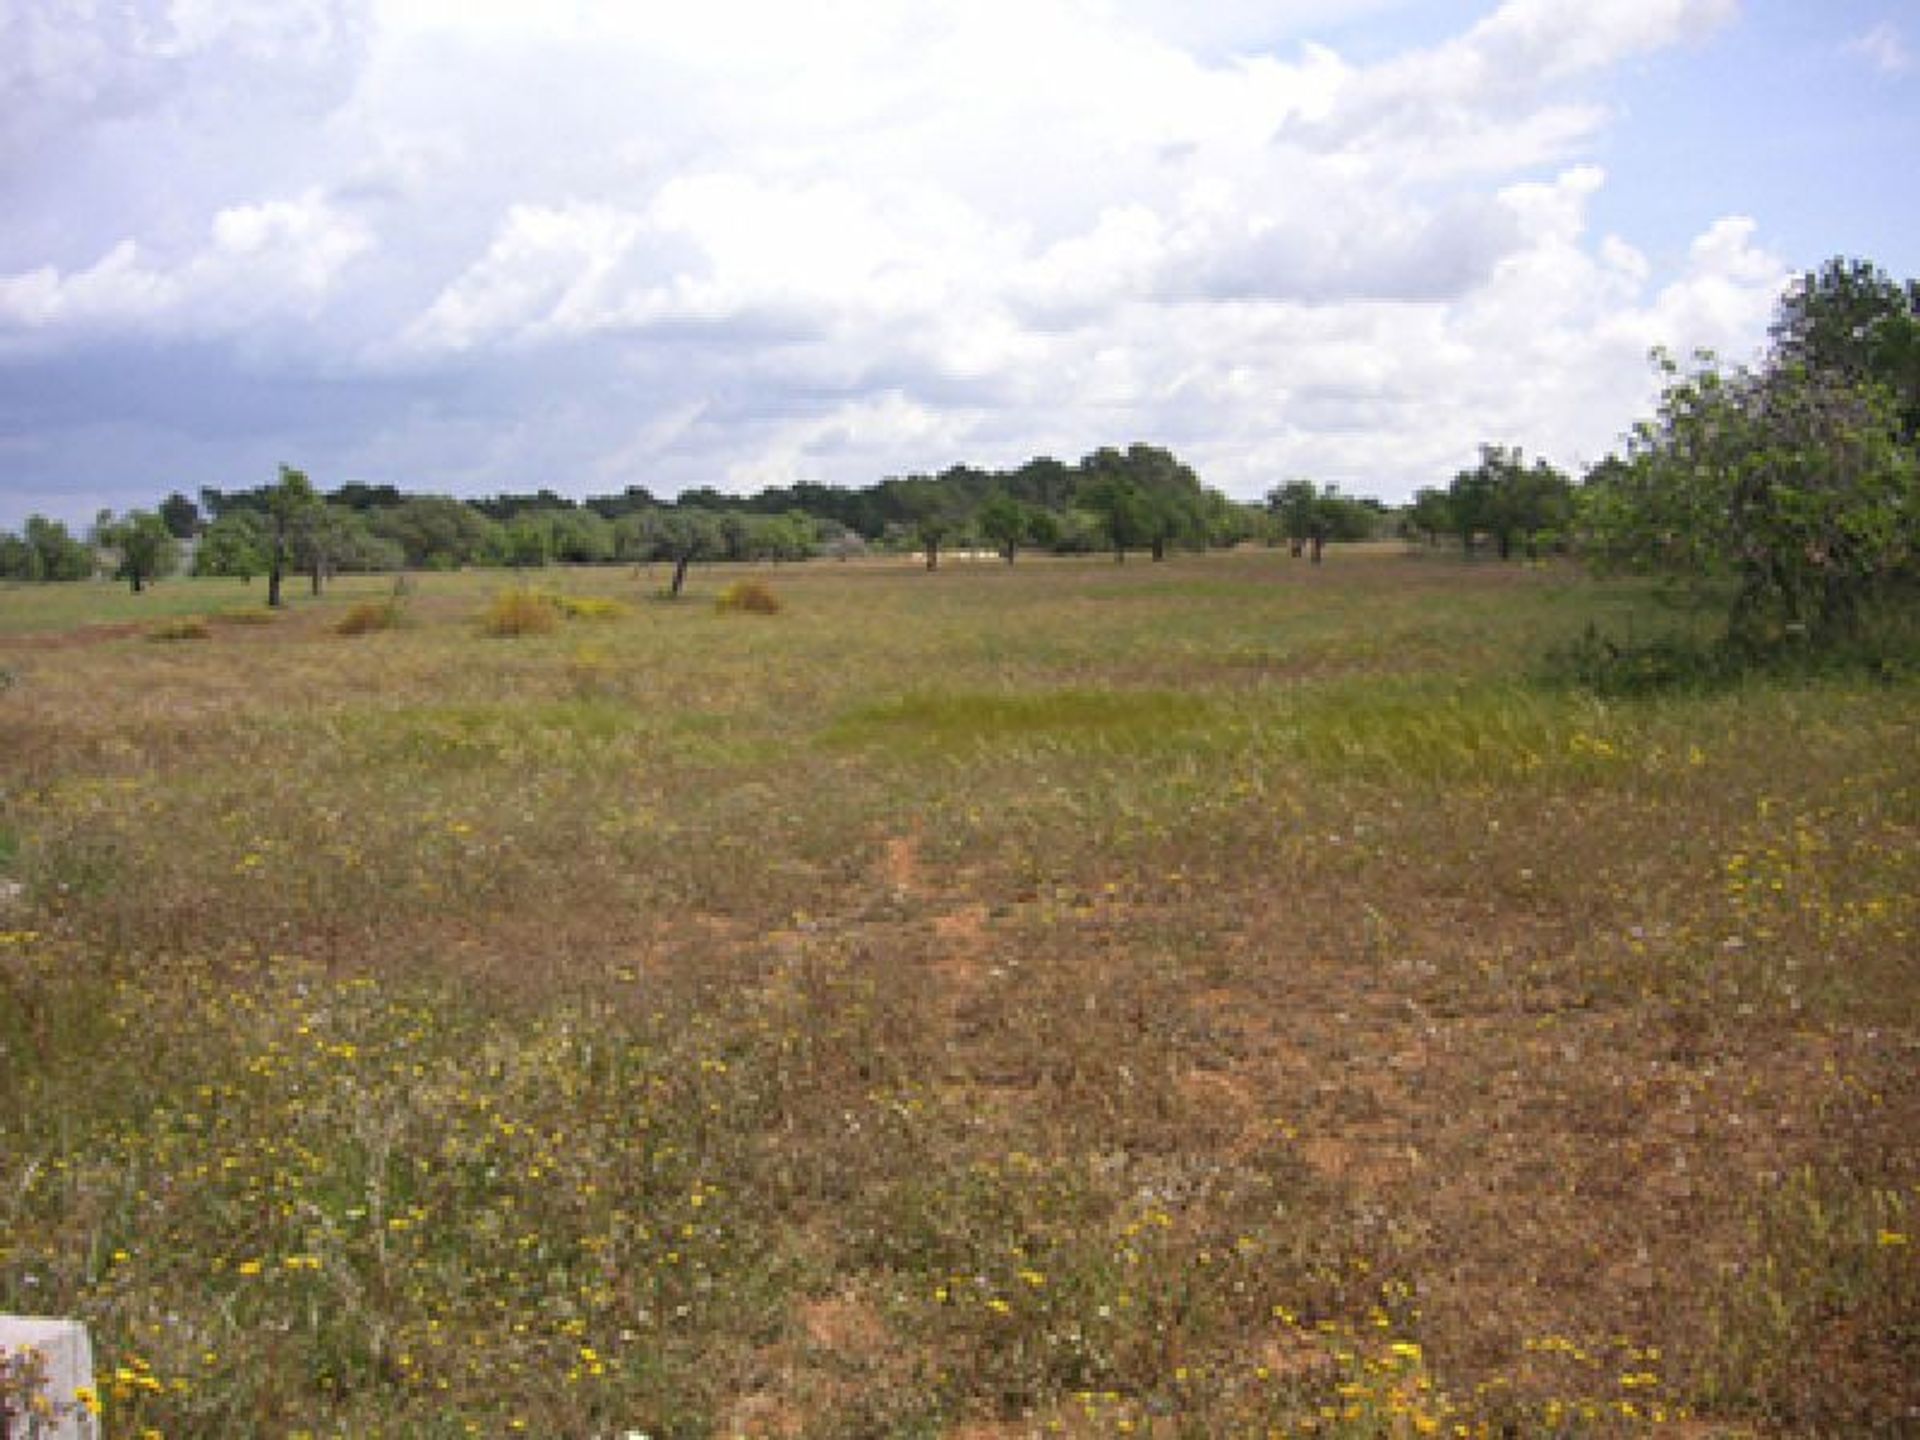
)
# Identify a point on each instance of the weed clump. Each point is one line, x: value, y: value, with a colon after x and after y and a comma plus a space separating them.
x: 588, y: 607
x: 369, y: 616
x: 520, y: 612
x: 1887, y: 649
x: 188, y: 629
x: 751, y: 597
x: 539, y: 612
x: 1664, y: 664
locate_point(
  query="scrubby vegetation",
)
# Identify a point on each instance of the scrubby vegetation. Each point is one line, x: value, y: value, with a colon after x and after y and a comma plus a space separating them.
x: 751, y: 597
x: 1225, y: 997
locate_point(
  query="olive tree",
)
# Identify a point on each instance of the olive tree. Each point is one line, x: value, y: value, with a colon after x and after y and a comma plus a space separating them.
x: 1792, y: 482
x: 146, y: 548
x: 287, y: 505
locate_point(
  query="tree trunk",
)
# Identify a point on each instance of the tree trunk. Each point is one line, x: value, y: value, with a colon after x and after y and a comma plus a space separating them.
x: 1008, y: 552
x: 680, y: 565
x: 1319, y: 544
x: 134, y: 578
x: 273, y: 586
x: 933, y: 555
x: 1159, y: 548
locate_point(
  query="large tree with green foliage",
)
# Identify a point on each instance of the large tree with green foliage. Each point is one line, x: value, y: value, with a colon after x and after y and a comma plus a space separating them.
x: 181, y: 514
x: 1430, y: 515
x: 1851, y: 319
x: 1004, y: 523
x: 435, y: 532
x: 1310, y: 515
x: 287, y: 509
x: 1793, y: 481
x: 146, y: 548
x: 234, y: 545
x: 1509, y: 501
x: 44, y: 550
x: 683, y: 536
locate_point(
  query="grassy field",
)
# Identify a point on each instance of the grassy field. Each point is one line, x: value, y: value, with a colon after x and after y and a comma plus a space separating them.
x: 1225, y: 997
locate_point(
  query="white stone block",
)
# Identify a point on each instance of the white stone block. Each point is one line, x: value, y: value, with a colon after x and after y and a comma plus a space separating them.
x: 66, y: 1360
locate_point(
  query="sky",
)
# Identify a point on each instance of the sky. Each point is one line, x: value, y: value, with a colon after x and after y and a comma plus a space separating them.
x: 472, y: 246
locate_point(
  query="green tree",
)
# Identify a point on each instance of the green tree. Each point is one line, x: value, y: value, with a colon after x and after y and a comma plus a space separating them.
x: 1509, y: 501
x: 1125, y: 512
x: 1793, y: 482
x: 524, y: 541
x: 579, y: 537
x: 1831, y: 319
x: 44, y: 551
x: 1430, y: 514
x: 1004, y: 522
x: 146, y: 548
x: 932, y: 512
x: 791, y: 536
x: 56, y: 555
x: 234, y: 545
x: 1294, y: 507
x: 317, y: 537
x: 287, y: 507
x: 1310, y: 515
x: 1852, y: 319
x: 181, y: 514
x: 683, y: 536
x: 436, y: 532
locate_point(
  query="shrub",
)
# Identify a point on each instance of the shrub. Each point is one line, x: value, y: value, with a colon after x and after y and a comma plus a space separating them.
x: 521, y: 612
x: 589, y: 607
x: 371, y: 615
x: 1635, y: 666
x: 190, y: 628
x: 753, y: 597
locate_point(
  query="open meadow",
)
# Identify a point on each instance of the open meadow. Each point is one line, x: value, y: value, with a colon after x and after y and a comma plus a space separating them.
x: 1221, y: 997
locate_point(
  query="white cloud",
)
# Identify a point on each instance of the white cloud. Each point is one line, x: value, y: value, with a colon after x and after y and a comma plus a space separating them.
x: 866, y: 434
x: 272, y: 258
x: 1884, y: 48
x: 117, y: 288
x: 743, y: 242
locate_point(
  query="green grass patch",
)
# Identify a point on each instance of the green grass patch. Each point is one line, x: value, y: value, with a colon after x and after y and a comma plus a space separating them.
x: 1228, y: 997
x: 961, y: 720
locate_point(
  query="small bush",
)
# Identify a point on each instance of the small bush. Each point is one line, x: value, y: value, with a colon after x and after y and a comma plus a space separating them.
x: 1664, y: 664
x: 1884, y: 644
x: 589, y: 607
x: 187, y: 629
x: 370, y: 615
x: 521, y: 612
x: 752, y: 597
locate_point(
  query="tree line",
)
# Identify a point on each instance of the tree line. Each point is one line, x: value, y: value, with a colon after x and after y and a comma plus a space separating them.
x: 1143, y: 499
x: 1794, y: 482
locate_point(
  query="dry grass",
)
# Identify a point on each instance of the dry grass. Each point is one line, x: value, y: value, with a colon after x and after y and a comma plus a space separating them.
x: 748, y: 597
x: 1213, y: 998
x: 520, y: 611
x: 369, y: 617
